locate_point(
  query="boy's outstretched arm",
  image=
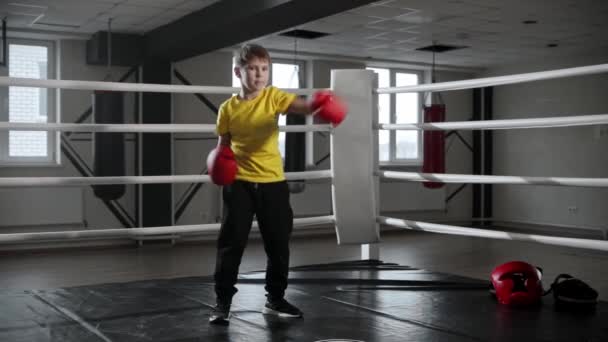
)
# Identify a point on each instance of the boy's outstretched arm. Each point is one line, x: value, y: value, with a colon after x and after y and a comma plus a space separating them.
x: 323, y: 103
x: 300, y: 106
x: 224, y: 139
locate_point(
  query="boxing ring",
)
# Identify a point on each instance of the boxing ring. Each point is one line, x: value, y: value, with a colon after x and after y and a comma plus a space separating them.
x: 366, y: 300
x: 354, y: 168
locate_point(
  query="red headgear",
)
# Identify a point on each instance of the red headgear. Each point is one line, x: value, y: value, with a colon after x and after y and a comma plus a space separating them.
x: 517, y: 283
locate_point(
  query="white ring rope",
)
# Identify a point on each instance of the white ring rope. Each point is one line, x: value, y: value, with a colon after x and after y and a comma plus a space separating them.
x: 500, y: 80
x: 82, y: 181
x: 141, y: 128
x: 142, y: 232
x: 323, y: 174
x: 567, y: 121
x: 172, y: 88
x: 475, y: 179
x: 130, y: 87
x: 484, y: 233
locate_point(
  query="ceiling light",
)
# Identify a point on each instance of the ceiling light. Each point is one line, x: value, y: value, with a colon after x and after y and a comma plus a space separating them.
x: 306, y: 34
x: 440, y: 48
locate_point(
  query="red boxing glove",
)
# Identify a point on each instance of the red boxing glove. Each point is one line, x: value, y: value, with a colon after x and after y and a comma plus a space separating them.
x: 330, y: 107
x: 221, y: 165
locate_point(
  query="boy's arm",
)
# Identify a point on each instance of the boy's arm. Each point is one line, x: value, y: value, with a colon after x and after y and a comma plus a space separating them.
x: 324, y: 103
x: 300, y: 106
x: 224, y: 139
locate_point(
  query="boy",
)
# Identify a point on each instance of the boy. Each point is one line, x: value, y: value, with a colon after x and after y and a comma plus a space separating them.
x: 248, y: 162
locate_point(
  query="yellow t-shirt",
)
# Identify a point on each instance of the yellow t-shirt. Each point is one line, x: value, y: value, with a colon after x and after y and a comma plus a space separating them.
x: 254, y: 130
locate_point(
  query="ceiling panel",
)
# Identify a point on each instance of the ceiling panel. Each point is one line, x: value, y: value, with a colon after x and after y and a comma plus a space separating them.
x: 384, y: 12
x: 493, y: 30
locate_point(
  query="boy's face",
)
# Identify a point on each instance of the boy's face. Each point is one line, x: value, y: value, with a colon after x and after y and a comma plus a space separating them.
x: 254, y: 75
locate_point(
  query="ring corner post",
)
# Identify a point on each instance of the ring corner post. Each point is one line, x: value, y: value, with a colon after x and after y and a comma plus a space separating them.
x: 354, y: 162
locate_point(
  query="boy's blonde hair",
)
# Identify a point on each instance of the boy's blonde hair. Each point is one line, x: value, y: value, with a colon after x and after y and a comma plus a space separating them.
x: 249, y: 51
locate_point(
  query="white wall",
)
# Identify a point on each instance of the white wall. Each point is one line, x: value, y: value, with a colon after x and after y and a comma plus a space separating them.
x: 72, y: 65
x: 429, y: 204
x: 554, y: 152
x: 190, y: 155
x: 190, y: 150
x: 316, y: 199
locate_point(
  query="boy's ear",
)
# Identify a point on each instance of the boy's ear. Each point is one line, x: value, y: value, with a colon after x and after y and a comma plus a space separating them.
x: 237, y: 72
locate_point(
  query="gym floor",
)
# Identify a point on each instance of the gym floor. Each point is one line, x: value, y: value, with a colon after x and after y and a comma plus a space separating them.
x: 163, y: 293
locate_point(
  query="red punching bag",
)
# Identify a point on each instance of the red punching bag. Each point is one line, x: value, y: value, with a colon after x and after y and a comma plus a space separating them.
x: 434, y: 144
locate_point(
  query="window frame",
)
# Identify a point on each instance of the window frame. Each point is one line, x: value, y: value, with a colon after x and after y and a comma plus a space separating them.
x: 301, y: 67
x: 393, y: 161
x: 301, y: 70
x: 52, y: 158
x: 301, y: 83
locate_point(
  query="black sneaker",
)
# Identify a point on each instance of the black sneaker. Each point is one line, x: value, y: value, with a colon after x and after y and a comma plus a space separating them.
x: 220, y: 314
x: 281, y: 308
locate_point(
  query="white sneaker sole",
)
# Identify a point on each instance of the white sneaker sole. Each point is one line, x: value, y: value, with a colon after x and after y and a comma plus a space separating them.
x: 220, y: 321
x: 267, y: 311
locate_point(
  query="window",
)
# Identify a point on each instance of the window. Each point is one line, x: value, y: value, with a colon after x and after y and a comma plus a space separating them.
x: 282, y: 75
x: 399, y: 147
x: 29, y: 59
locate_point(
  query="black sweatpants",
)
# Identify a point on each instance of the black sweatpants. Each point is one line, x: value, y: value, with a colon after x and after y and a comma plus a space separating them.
x: 270, y: 204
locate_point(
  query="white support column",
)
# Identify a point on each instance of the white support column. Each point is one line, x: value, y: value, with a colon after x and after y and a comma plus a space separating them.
x: 370, y: 251
x: 310, y: 146
x: 353, y: 159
